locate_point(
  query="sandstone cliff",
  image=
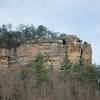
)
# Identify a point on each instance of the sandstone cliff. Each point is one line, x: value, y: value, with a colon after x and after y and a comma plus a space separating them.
x: 53, y: 49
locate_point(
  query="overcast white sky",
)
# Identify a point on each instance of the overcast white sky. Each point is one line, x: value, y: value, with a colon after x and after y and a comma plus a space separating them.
x: 80, y: 17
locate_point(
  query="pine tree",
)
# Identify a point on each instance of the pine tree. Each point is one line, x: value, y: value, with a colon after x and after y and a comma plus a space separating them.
x: 39, y: 66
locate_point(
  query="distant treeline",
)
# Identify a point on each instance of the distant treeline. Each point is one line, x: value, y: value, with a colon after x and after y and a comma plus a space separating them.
x: 10, y: 37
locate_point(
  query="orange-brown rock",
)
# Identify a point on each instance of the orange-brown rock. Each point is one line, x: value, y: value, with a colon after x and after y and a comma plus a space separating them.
x: 77, y: 50
x: 73, y: 49
x: 53, y: 49
x: 87, y: 53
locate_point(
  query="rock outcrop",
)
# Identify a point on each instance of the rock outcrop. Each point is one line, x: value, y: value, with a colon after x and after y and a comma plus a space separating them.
x: 76, y: 50
x: 53, y: 49
x: 87, y: 53
x: 73, y: 49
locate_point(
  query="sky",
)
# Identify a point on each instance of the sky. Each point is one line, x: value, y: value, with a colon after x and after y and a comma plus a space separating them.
x: 78, y: 17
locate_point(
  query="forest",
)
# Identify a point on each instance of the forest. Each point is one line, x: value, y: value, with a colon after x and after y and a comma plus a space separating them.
x: 10, y: 36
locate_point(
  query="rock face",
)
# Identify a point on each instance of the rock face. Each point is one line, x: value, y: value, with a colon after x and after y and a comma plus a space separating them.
x: 73, y: 49
x: 87, y: 53
x: 77, y: 50
x: 54, y: 50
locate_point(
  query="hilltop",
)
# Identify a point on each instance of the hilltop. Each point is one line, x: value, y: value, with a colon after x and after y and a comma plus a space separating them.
x: 38, y: 64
